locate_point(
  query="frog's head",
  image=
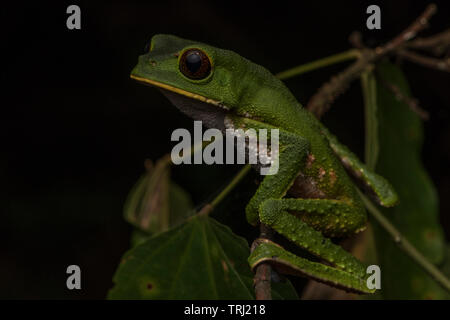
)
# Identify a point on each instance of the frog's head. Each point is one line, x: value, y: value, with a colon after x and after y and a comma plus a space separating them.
x: 202, y: 81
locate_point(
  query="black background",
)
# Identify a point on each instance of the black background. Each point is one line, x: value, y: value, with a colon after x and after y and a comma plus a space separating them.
x: 76, y: 130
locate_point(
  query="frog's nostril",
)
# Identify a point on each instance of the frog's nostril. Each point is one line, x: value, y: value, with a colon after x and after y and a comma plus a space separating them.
x: 152, y: 62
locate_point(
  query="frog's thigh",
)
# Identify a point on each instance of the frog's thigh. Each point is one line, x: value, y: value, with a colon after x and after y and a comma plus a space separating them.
x: 335, y: 218
x: 293, y: 149
x: 273, y: 212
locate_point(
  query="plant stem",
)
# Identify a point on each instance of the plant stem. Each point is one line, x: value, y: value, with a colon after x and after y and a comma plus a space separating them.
x: 406, y: 246
x: 317, y: 64
x: 369, y: 89
x: 236, y: 179
x: 263, y: 289
x: 263, y: 273
x: 320, y: 102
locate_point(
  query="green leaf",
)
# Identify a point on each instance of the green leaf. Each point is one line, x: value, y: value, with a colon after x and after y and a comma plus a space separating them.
x: 147, y: 205
x: 180, y: 208
x: 200, y: 259
x: 155, y: 203
x: 400, y: 138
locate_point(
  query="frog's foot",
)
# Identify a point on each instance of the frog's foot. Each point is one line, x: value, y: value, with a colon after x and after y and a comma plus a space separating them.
x: 274, y: 213
x: 288, y: 263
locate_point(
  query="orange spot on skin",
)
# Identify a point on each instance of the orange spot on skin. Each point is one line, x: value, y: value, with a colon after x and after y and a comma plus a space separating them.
x: 224, y: 266
x: 333, y: 176
x: 321, y: 173
x: 309, y: 160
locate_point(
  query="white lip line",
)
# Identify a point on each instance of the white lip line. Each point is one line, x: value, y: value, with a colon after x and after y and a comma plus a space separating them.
x: 181, y: 91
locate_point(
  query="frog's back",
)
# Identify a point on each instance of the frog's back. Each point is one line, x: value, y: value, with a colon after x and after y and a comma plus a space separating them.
x: 322, y: 169
x: 272, y: 102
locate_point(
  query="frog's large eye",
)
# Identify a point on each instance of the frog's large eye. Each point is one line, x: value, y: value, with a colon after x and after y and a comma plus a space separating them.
x: 195, y: 64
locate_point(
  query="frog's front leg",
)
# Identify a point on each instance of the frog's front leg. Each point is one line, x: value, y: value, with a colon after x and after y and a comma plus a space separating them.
x: 293, y: 151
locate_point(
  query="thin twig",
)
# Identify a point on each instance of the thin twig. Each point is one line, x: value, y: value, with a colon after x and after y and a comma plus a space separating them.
x: 207, y: 208
x: 321, y: 101
x: 262, y: 279
x: 237, y: 178
x: 412, y: 103
x: 418, y: 25
x: 317, y: 64
x: 433, y: 63
x: 436, y: 44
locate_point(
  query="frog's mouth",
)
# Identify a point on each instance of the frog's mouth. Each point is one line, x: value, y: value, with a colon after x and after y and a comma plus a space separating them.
x: 180, y: 91
x: 194, y: 105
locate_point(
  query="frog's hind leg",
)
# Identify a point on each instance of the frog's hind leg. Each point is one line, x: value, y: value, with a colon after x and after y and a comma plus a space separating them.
x: 287, y: 263
x: 274, y: 213
x: 333, y: 217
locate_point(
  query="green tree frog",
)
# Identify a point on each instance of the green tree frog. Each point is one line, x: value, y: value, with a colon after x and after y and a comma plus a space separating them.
x: 312, y: 197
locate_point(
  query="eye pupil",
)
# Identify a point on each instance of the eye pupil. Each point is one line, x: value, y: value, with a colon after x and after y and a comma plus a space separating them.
x: 195, y: 64
x: 193, y: 61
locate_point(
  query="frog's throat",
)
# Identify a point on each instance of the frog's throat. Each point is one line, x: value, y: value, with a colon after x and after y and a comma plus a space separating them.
x: 180, y: 91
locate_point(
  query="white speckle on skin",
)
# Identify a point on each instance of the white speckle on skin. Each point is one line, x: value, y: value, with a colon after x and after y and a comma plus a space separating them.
x: 228, y: 123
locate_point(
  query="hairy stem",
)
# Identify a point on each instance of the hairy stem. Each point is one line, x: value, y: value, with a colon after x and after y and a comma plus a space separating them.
x: 320, y: 102
x: 433, y: 63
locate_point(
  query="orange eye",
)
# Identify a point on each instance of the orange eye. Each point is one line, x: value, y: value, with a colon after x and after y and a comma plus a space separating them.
x: 195, y: 64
